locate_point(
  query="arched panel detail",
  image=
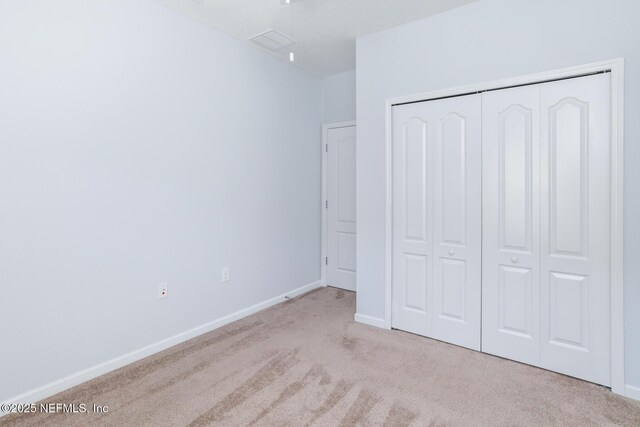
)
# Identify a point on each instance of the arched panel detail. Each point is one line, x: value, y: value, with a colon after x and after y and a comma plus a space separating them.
x: 515, y: 168
x: 414, y: 179
x: 452, y: 171
x: 568, y: 172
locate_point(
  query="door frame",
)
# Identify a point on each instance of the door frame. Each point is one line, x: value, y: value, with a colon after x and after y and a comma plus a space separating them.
x: 616, y: 68
x: 325, y: 194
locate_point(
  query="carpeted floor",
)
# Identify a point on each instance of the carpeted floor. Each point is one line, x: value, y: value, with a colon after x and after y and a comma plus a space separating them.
x: 305, y: 362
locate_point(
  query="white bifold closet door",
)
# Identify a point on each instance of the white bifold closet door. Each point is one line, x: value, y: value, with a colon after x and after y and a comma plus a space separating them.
x: 546, y: 226
x: 437, y: 219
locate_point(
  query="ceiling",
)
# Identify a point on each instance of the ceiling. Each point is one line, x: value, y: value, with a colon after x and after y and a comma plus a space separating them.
x: 325, y: 30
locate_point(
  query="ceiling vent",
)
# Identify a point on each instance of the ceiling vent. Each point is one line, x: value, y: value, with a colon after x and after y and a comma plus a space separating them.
x: 272, y: 40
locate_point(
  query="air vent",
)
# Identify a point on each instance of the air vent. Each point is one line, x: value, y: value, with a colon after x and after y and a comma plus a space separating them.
x: 272, y: 40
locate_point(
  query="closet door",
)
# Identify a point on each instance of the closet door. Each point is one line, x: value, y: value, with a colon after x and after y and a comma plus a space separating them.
x: 457, y: 285
x: 412, y: 275
x: 436, y: 219
x: 511, y: 224
x: 575, y: 227
x: 546, y: 226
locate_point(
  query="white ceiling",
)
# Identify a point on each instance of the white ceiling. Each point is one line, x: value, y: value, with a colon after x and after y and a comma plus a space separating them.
x: 325, y: 30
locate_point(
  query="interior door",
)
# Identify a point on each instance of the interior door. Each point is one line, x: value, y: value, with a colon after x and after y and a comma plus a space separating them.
x: 575, y: 227
x: 412, y: 252
x: 546, y: 226
x: 457, y: 220
x: 511, y: 223
x: 341, y: 207
x: 436, y: 219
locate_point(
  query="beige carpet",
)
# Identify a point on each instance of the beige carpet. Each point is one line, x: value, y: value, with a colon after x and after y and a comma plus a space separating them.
x: 305, y: 362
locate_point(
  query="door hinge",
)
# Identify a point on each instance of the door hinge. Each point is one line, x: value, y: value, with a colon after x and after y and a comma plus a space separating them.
x: 326, y: 204
x: 326, y: 148
x: 326, y: 261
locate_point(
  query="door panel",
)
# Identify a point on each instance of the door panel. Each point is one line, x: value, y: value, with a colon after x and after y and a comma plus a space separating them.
x: 412, y: 224
x: 453, y: 289
x: 515, y: 301
x: 341, y: 210
x: 567, y: 175
x: 511, y: 224
x: 415, y: 272
x: 452, y: 178
x: 457, y: 219
x: 414, y: 159
x: 346, y: 177
x: 436, y: 192
x: 568, y: 304
x: 575, y: 224
x: 346, y: 251
x: 515, y: 145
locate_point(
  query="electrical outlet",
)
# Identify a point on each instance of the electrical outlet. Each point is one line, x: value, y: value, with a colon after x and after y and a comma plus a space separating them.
x: 162, y: 290
x: 225, y: 274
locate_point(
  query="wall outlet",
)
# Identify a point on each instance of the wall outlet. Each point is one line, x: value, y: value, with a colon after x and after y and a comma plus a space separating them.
x: 225, y: 274
x: 162, y: 290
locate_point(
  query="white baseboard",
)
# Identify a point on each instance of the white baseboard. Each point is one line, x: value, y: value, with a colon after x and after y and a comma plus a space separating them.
x: 632, y: 392
x: 371, y: 321
x: 72, y: 380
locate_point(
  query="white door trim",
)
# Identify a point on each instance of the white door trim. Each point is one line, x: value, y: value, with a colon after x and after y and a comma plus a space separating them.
x: 324, y: 217
x: 616, y: 67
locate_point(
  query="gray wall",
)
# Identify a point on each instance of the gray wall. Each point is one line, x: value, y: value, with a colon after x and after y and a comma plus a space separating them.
x: 483, y: 41
x: 136, y: 147
x: 339, y: 97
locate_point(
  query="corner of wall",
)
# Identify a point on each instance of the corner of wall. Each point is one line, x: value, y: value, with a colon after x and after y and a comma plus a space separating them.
x: 371, y: 321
